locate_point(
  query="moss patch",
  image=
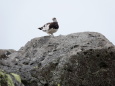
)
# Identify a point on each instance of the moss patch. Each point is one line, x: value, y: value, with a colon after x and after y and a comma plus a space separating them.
x: 5, y: 79
x: 17, y: 77
x: 58, y: 84
x: 9, y: 80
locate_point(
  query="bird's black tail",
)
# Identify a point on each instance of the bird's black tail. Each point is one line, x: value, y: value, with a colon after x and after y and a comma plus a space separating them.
x: 40, y: 28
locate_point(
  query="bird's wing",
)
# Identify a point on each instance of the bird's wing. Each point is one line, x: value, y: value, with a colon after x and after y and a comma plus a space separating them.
x: 54, y: 25
x: 46, y: 27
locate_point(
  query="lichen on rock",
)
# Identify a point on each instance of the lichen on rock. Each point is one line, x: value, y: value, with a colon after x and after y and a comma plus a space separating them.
x: 17, y: 77
x: 5, y: 79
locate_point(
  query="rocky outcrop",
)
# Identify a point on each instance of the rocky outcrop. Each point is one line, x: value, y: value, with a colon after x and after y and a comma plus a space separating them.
x: 79, y: 59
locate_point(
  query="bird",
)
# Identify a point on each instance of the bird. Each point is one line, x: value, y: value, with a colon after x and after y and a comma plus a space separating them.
x: 50, y: 27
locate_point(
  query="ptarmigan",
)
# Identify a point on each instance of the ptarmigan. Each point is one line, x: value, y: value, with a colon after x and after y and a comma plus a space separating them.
x: 51, y: 27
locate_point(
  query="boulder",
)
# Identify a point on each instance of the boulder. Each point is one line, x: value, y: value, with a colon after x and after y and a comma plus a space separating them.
x: 78, y: 59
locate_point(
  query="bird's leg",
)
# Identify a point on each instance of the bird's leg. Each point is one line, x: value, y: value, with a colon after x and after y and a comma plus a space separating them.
x: 52, y: 35
x: 49, y: 34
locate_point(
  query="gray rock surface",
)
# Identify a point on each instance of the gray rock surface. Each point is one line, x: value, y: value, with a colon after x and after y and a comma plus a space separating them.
x: 4, y: 53
x: 78, y: 59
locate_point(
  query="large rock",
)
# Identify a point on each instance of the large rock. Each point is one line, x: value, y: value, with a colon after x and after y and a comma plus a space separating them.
x: 79, y: 59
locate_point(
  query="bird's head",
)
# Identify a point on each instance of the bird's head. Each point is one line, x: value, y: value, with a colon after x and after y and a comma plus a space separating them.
x: 54, y: 19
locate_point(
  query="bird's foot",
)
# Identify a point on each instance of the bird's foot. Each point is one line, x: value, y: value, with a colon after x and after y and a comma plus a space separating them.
x: 51, y: 35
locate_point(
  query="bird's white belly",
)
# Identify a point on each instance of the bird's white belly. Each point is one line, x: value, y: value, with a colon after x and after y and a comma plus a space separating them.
x: 51, y: 31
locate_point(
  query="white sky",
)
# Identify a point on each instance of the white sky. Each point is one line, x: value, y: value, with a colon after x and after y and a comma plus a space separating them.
x: 19, y: 19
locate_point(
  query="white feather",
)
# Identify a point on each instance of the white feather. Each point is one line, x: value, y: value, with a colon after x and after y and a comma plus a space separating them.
x: 45, y: 28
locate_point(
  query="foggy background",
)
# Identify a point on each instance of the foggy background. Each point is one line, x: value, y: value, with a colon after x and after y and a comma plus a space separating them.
x: 19, y: 19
